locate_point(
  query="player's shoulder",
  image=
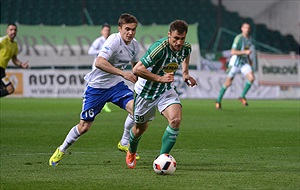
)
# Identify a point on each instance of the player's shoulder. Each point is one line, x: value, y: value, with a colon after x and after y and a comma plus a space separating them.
x: 160, y: 44
x: 114, y: 40
x: 4, y: 38
x: 158, y: 48
x: 114, y: 36
x: 162, y: 41
x: 239, y: 36
x: 187, y: 45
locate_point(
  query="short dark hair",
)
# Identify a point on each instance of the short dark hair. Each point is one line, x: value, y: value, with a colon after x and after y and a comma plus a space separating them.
x: 105, y: 25
x: 245, y: 23
x: 12, y: 24
x: 180, y: 25
x: 126, y: 18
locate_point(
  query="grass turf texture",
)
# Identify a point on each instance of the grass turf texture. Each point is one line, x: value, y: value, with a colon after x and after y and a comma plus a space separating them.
x: 255, y: 147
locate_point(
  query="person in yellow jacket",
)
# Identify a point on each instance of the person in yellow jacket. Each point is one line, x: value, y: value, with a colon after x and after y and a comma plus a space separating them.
x: 9, y: 50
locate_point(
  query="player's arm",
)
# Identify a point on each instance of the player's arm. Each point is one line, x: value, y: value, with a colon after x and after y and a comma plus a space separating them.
x: 140, y: 70
x: 95, y: 47
x: 19, y: 63
x: 190, y: 81
x: 133, y: 64
x: 237, y: 46
x: 103, y: 64
x: 240, y: 52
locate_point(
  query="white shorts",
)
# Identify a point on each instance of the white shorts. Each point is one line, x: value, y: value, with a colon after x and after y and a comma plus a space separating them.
x: 144, y: 110
x: 245, y: 69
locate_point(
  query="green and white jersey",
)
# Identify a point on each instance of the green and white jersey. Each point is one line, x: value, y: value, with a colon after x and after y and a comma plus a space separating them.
x: 240, y: 43
x: 160, y: 59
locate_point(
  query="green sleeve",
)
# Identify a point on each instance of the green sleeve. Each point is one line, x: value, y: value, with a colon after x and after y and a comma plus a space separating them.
x: 237, y: 42
x: 154, y: 53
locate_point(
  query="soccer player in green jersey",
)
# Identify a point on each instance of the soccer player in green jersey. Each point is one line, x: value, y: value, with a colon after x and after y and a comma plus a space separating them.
x: 9, y: 50
x: 155, y: 87
x: 239, y: 62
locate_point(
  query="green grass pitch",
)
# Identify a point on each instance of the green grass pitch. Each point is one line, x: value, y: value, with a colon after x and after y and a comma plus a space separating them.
x: 255, y: 147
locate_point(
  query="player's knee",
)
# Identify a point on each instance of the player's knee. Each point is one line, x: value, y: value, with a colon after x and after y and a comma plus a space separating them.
x: 252, y: 79
x: 139, y: 132
x: 175, y: 122
x: 83, y: 127
x: 227, y: 83
x: 140, y: 129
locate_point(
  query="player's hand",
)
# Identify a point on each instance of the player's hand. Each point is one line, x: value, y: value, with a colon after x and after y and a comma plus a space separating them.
x: 190, y: 81
x: 166, y: 78
x: 247, y: 52
x: 130, y: 77
x: 24, y: 65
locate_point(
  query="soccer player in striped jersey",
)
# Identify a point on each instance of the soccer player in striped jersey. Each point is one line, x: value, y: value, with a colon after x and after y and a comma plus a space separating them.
x: 155, y: 87
x: 105, y: 83
x: 9, y: 50
x: 239, y: 62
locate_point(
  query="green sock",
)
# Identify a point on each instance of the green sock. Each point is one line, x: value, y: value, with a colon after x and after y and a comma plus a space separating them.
x: 168, y: 139
x: 133, y: 142
x: 246, y: 88
x: 222, y: 92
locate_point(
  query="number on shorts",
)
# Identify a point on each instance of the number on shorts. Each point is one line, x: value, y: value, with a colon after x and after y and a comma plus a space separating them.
x: 139, y: 118
x: 90, y: 113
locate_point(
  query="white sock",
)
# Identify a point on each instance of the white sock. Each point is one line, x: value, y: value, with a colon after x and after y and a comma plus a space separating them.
x: 129, y: 122
x: 72, y: 137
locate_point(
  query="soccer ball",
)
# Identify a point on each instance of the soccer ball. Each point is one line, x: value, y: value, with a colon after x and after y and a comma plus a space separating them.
x: 164, y: 164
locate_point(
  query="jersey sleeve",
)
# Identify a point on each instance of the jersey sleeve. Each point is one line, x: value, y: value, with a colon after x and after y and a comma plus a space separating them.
x: 153, y: 54
x: 109, y: 47
x: 237, y: 43
x: 95, y: 47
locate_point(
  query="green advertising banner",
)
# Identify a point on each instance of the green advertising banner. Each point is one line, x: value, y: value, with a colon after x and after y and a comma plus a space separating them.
x: 68, y: 45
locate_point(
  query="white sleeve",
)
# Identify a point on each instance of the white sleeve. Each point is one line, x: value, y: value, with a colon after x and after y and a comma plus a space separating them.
x: 95, y: 47
x: 109, y: 47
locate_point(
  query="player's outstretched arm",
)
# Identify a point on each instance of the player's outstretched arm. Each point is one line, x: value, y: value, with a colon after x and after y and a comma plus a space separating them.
x: 19, y: 63
x: 140, y: 70
x: 104, y: 65
x: 240, y: 52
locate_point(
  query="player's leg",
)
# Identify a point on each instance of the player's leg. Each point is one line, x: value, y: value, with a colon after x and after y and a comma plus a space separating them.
x: 230, y: 76
x: 124, y: 142
x: 247, y: 71
x: 70, y: 139
x: 135, y: 135
x: 128, y: 124
x: 170, y: 107
x: 123, y: 97
x: 91, y: 106
x: 223, y: 89
x: 75, y: 133
x: 144, y: 111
